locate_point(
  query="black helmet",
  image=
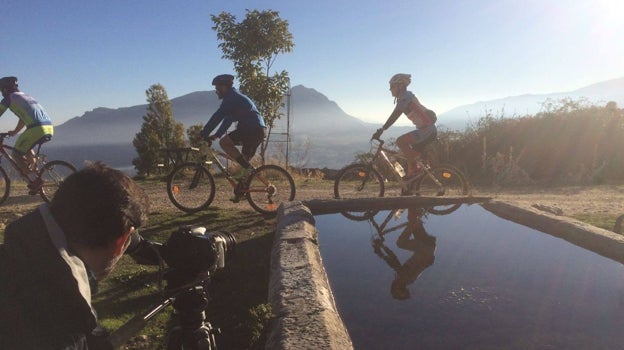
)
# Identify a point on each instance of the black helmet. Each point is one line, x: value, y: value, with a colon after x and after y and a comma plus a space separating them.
x: 8, y: 83
x: 223, y: 79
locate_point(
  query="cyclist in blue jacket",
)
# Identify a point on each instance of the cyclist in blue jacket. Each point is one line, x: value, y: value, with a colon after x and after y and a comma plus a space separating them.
x: 250, y: 127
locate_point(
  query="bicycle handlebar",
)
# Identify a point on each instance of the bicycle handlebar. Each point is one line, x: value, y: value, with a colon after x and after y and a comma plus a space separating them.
x: 378, y: 139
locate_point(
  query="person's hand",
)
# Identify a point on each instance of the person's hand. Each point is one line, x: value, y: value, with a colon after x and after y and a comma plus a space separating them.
x: 377, y: 134
x: 212, y: 138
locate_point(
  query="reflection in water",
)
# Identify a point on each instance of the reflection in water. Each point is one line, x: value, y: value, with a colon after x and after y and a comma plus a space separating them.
x: 467, y: 280
x: 413, y: 238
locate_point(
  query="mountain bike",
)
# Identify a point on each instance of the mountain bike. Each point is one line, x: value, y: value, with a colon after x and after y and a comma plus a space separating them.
x: 51, y: 174
x: 362, y: 180
x: 191, y: 187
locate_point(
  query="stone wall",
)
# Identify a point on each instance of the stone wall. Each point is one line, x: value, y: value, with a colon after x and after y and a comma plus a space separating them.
x: 302, y: 301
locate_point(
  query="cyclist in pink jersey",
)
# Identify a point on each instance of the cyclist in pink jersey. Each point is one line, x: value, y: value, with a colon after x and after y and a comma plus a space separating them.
x: 31, y: 115
x: 424, y: 119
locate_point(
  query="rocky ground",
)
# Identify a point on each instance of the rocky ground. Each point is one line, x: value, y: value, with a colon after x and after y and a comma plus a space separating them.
x: 572, y: 201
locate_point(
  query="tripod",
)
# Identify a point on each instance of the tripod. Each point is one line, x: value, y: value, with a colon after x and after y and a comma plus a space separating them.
x: 192, y: 332
x: 188, y: 294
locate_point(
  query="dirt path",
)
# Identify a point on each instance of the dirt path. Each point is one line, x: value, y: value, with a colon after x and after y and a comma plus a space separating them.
x: 573, y: 201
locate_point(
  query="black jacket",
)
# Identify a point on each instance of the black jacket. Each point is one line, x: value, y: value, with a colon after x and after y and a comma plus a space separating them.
x: 41, y: 306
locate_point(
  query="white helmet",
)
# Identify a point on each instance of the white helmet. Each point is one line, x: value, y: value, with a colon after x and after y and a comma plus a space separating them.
x: 401, y: 78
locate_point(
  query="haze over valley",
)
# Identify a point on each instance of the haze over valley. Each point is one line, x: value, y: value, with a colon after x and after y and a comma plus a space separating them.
x: 318, y: 124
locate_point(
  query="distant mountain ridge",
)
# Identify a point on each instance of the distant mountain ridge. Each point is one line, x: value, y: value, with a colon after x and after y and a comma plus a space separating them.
x: 530, y: 104
x: 334, y: 137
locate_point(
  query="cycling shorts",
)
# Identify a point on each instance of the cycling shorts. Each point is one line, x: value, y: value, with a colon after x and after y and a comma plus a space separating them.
x: 29, y: 138
x: 250, y: 139
x: 419, y: 137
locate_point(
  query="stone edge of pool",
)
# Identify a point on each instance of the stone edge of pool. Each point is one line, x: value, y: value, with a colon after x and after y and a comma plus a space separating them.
x: 303, y: 304
x: 600, y: 241
x: 306, y: 316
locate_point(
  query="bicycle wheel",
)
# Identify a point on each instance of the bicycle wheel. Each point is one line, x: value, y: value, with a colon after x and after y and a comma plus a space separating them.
x: 268, y: 187
x: 358, y: 181
x: 5, y: 185
x: 444, y: 180
x: 53, y: 174
x: 190, y: 187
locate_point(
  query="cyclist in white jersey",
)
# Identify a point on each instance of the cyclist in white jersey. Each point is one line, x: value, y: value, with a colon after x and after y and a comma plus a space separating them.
x: 424, y: 119
x: 31, y: 115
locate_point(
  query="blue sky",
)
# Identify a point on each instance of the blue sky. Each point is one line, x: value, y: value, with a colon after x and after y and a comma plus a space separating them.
x: 74, y: 56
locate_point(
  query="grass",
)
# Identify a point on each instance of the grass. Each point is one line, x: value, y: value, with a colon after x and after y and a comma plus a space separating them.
x: 606, y: 221
x: 238, y: 304
x: 238, y: 292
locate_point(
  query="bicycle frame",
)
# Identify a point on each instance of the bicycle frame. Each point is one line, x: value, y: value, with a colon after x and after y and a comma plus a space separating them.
x: 6, y: 150
x: 382, y: 153
x: 214, y: 155
x: 381, y: 228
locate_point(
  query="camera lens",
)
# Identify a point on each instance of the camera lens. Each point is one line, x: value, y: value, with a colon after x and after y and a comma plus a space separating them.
x: 229, y: 241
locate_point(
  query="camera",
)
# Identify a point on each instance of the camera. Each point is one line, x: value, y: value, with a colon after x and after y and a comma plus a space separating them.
x: 193, y: 254
x: 194, y: 249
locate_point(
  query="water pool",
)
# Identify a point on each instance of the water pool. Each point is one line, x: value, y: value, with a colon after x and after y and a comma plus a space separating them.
x: 468, y: 280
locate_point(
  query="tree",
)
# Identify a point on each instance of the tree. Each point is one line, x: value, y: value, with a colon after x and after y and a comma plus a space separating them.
x: 159, y: 130
x: 195, y: 140
x: 253, y: 46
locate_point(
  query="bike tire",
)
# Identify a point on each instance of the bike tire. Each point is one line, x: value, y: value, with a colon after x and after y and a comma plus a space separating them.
x: 358, y: 181
x: 53, y: 174
x: 190, y: 187
x: 265, y: 197
x: 453, y: 183
x: 5, y: 185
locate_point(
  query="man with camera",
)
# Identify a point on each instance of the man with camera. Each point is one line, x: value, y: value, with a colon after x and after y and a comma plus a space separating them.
x: 49, y: 255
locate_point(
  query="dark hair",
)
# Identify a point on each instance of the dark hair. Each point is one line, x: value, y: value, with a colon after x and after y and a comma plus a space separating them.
x: 97, y: 205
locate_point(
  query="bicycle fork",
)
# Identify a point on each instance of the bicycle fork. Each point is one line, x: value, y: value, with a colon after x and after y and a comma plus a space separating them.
x: 196, y: 177
x: 365, y: 177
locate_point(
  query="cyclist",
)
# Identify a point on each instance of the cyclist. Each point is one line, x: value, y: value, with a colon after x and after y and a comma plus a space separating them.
x: 38, y: 125
x: 250, y: 128
x: 424, y: 119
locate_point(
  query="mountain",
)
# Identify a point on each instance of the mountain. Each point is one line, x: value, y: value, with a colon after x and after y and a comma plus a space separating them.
x: 318, y: 125
x: 117, y: 126
x: 319, y: 128
x: 530, y: 104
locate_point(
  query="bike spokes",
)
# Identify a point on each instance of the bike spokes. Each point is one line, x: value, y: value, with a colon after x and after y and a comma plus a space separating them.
x: 358, y: 181
x: 268, y: 187
x: 190, y: 187
x: 52, y: 176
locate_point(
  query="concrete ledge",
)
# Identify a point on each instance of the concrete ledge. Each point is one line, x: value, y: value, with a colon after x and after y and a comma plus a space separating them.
x: 595, y: 239
x: 306, y: 315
